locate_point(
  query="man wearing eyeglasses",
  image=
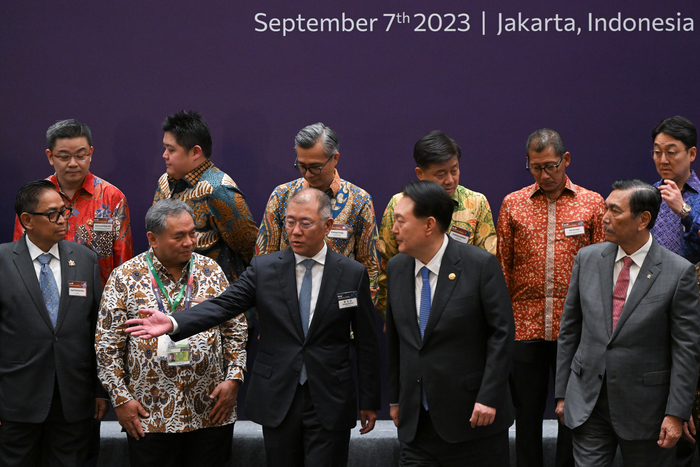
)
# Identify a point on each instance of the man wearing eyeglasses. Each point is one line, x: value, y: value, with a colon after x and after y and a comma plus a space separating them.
x: 354, y: 229
x: 677, y: 226
x: 100, y: 214
x: 48, y: 309
x: 540, y: 229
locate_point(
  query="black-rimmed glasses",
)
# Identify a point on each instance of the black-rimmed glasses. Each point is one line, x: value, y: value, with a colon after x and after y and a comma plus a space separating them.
x: 547, y: 168
x: 54, y: 215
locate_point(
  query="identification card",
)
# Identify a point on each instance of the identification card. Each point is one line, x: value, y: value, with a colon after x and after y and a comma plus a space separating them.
x: 347, y: 299
x: 77, y: 289
x: 175, y: 353
x: 102, y: 224
x: 461, y: 235
x: 338, y: 231
x: 574, y: 228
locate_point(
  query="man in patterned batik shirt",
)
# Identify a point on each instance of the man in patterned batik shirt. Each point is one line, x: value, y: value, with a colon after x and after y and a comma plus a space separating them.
x: 226, y: 230
x: 540, y: 229
x: 677, y: 226
x: 354, y: 232
x: 176, y: 400
x: 100, y: 217
x: 437, y: 159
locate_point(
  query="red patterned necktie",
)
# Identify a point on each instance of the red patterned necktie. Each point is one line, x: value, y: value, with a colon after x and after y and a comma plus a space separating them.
x: 620, y: 292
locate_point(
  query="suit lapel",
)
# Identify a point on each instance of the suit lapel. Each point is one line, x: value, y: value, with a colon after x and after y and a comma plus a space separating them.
x: 286, y: 276
x: 605, y: 269
x: 326, y: 294
x: 650, y: 270
x: 445, y: 286
x: 406, y: 282
x: 26, y: 270
x: 67, y: 275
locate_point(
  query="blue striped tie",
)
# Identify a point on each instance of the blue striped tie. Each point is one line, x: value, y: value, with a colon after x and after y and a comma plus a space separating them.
x: 305, y: 307
x: 424, y: 314
x: 424, y: 299
x: 47, y: 283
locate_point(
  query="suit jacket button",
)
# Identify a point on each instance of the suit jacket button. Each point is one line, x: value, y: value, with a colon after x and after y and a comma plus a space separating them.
x: 600, y: 376
x: 55, y: 339
x: 610, y: 346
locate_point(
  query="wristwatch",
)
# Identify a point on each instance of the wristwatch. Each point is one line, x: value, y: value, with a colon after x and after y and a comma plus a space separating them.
x: 686, y: 209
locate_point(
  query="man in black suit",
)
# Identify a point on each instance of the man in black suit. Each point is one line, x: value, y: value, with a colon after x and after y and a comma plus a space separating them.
x: 302, y: 390
x: 48, y: 307
x: 449, y: 330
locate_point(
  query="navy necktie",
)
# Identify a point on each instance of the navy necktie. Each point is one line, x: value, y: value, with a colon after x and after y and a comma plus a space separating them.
x: 49, y: 290
x: 424, y: 314
x: 305, y: 306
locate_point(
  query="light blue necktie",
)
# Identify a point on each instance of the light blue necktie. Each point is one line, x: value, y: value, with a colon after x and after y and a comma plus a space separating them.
x: 424, y: 314
x: 47, y: 283
x: 305, y: 306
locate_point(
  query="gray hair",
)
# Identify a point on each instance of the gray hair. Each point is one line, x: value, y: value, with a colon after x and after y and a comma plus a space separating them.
x: 307, y: 194
x: 67, y: 129
x: 542, y: 139
x: 310, y: 135
x: 156, y: 217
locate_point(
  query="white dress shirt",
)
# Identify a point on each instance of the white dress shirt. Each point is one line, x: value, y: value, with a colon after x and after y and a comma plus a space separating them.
x: 434, y: 268
x: 54, y: 264
x: 638, y: 258
x: 316, y: 276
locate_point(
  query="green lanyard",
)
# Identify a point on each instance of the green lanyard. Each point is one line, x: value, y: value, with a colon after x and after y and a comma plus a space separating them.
x: 155, y: 279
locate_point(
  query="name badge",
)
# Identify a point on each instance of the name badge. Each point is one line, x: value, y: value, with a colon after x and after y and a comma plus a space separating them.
x: 338, y: 231
x: 175, y: 353
x: 77, y: 289
x: 461, y: 235
x: 573, y: 228
x: 347, y: 299
x: 102, y: 224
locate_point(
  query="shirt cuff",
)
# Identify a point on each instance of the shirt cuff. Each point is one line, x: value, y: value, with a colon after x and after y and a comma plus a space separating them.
x: 176, y: 328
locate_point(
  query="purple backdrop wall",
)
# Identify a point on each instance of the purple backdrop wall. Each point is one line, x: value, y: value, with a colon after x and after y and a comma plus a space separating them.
x: 121, y: 67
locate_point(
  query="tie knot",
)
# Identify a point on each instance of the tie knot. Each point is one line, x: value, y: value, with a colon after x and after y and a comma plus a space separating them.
x: 424, y: 272
x: 44, y: 258
x: 628, y: 261
x: 308, y: 263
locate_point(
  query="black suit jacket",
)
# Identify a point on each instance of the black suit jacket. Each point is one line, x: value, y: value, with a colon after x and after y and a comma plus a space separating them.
x: 33, y: 355
x: 269, y: 285
x: 465, y: 354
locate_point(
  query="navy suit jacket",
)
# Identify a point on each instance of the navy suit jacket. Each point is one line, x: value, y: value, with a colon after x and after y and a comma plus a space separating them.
x: 269, y: 285
x: 466, y: 351
x: 33, y: 354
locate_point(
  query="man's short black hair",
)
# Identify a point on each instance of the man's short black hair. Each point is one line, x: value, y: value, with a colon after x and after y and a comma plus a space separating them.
x: 190, y: 130
x: 67, y: 129
x: 430, y: 200
x: 644, y: 197
x: 28, y: 196
x: 679, y: 128
x: 435, y: 148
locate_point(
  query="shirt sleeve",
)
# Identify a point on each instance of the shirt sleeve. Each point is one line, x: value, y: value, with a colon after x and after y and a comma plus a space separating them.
x: 366, y: 245
x: 232, y: 219
x: 598, y: 232
x: 123, y: 245
x: 111, y: 340
x: 505, y: 251
x: 386, y: 244
x: 19, y: 230
x: 485, y: 233
x: 270, y: 232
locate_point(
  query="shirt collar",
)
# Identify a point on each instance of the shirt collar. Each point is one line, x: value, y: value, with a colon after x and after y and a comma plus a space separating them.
x: 160, y: 269
x: 319, y: 257
x: 35, y: 251
x: 192, y: 177
x: 535, y: 188
x: 88, y: 184
x: 434, y: 264
x: 638, y: 256
x: 693, y: 182
x: 332, y: 190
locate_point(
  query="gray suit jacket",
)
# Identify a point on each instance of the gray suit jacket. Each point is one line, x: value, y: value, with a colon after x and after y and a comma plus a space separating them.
x: 34, y: 355
x: 650, y: 360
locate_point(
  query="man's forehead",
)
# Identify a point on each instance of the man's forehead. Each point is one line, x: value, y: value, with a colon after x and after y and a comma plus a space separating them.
x: 65, y: 144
